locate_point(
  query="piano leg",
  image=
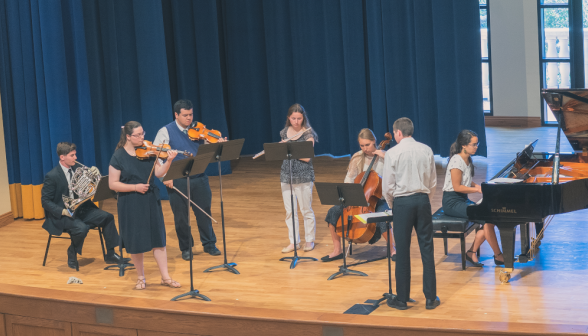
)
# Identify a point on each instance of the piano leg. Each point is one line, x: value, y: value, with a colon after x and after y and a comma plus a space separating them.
x: 525, y: 243
x: 539, y: 235
x: 507, y: 236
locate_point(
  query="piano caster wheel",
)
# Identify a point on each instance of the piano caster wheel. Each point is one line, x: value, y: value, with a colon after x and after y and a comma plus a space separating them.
x: 504, y: 277
x: 523, y: 259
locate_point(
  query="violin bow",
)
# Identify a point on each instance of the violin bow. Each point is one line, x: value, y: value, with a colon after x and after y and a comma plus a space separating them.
x: 290, y: 138
x: 155, y: 163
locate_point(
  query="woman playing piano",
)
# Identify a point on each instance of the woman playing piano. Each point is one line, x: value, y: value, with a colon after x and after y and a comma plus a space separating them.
x: 458, y: 183
x: 360, y: 161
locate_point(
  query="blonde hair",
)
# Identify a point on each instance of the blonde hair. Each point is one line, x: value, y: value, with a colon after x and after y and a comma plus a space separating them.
x: 358, y: 158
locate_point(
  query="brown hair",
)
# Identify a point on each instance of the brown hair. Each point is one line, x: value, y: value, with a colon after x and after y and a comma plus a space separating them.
x: 463, y: 139
x: 127, y: 129
x: 404, y: 125
x: 305, y: 123
x: 64, y: 148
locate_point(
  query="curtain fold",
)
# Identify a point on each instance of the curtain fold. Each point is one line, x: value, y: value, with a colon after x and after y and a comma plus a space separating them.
x: 350, y: 63
x: 77, y: 70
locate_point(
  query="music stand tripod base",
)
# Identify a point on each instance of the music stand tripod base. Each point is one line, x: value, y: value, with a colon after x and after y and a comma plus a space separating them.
x: 295, y: 259
x: 345, y: 271
x: 121, y: 267
x: 229, y: 266
x: 193, y: 294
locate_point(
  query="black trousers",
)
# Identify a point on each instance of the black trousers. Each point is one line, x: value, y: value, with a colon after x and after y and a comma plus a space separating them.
x: 414, y: 211
x: 87, y: 218
x: 199, y: 193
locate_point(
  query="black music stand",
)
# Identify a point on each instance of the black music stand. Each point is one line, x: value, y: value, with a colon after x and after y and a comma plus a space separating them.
x: 386, y: 296
x: 223, y: 151
x: 344, y: 194
x: 184, y: 169
x: 290, y: 151
x: 103, y: 192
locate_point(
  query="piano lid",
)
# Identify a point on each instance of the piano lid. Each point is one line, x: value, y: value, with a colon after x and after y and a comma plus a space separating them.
x: 570, y: 107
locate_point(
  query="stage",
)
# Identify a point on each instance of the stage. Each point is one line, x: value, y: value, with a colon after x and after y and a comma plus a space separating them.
x: 544, y: 296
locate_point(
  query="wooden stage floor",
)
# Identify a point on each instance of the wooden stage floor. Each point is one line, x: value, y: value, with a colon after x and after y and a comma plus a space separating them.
x: 548, y: 292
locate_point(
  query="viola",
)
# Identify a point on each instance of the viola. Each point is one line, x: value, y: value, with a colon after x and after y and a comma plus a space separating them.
x: 198, y: 131
x: 148, y: 149
x: 359, y: 232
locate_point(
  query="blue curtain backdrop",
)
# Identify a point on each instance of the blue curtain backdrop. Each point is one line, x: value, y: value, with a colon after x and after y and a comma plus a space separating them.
x: 350, y: 63
x: 75, y: 70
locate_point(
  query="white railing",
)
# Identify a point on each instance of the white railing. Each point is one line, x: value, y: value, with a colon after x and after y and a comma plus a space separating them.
x: 557, y: 41
x: 485, y: 70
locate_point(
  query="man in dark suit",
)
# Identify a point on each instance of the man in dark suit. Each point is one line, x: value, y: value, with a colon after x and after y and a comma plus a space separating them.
x: 57, y: 218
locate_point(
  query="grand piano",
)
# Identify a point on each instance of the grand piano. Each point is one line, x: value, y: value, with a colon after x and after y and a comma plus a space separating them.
x: 535, y: 186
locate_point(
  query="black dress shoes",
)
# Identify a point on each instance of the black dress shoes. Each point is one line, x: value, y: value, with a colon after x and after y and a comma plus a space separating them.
x: 432, y: 304
x: 186, y: 255
x: 394, y: 303
x: 393, y: 257
x: 115, y: 259
x: 212, y: 250
x: 72, y: 259
x: 327, y: 258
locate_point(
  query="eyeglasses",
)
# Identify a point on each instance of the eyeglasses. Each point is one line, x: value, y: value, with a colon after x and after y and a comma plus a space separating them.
x: 139, y: 135
x: 475, y: 145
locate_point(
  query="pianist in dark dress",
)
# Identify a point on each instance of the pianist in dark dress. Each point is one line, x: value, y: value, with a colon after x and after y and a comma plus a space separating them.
x: 458, y: 184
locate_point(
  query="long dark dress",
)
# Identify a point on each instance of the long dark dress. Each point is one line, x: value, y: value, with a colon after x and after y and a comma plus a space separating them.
x: 139, y: 215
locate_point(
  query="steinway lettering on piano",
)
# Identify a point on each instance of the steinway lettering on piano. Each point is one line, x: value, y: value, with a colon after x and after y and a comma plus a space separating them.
x: 551, y: 183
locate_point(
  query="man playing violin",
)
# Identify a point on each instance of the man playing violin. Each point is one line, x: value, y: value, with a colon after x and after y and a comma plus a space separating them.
x: 176, y: 135
x: 58, y: 219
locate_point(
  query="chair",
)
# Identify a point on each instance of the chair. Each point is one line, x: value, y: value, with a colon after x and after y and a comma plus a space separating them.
x: 61, y: 237
x: 453, y: 227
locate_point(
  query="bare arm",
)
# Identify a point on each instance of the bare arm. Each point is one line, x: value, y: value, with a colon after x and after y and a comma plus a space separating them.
x: 456, y: 176
x: 161, y: 169
x: 115, y: 184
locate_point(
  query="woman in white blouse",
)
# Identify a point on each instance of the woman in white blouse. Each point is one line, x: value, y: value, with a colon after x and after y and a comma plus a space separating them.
x: 458, y: 183
x: 360, y: 161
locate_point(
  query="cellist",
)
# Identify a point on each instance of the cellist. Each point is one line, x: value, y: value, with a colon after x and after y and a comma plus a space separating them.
x: 360, y: 161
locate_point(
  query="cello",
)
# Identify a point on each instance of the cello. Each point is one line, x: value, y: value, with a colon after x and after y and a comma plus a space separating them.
x: 371, y: 182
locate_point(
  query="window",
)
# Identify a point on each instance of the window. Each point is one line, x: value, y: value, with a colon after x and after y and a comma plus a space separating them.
x: 486, y: 76
x: 561, y: 47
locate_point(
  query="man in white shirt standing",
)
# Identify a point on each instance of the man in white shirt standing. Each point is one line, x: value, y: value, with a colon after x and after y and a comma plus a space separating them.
x: 408, y: 181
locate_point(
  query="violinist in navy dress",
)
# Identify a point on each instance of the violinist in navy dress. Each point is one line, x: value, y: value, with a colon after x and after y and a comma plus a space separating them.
x: 139, y: 205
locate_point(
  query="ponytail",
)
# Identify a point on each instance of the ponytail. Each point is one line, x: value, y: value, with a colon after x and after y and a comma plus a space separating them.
x: 463, y: 139
x: 127, y: 129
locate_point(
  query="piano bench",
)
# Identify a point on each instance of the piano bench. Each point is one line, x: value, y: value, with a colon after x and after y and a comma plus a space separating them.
x: 453, y: 227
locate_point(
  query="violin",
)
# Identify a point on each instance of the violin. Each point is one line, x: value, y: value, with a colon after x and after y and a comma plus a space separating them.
x: 148, y: 149
x: 198, y: 131
x: 359, y: 232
